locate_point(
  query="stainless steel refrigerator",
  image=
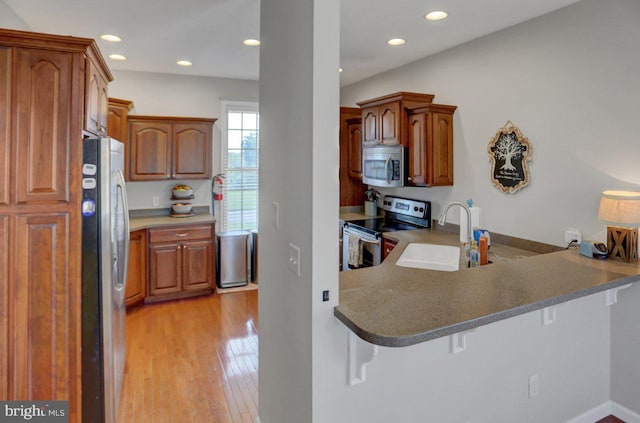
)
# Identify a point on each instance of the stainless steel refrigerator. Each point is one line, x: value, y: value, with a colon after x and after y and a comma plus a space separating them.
x: 105, y: 253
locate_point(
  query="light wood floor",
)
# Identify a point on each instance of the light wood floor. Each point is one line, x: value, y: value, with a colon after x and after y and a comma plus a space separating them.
x: 192, y: 360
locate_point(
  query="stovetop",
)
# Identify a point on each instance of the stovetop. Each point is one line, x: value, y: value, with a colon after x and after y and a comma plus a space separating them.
x: 401, y: 214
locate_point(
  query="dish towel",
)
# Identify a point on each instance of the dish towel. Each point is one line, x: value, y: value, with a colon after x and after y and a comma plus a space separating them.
x: 355, y: 250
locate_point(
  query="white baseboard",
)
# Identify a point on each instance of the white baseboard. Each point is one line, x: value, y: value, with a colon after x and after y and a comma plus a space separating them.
x: 604, y: 410
x: 624, y: 413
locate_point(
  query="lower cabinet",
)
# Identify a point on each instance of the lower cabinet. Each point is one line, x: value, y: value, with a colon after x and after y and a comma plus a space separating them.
x: 388, y: 246
x: 136, y: 289
x: 181, y: 262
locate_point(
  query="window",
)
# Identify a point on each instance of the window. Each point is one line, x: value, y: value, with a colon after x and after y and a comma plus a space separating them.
x: 240, y: 155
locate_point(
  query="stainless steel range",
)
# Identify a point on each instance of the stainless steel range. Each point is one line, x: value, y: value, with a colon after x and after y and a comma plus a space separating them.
x: 401, y: 214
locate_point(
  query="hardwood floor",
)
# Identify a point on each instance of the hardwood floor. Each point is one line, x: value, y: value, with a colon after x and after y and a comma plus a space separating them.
x: 192, y: 360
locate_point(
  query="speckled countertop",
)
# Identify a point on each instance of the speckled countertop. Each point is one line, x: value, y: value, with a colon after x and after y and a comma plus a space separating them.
x: 146, y: 222
x: 398, y: 306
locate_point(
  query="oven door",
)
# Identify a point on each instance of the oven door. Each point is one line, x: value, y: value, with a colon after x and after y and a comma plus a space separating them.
x: 371, y: 249
x: 383, y: 166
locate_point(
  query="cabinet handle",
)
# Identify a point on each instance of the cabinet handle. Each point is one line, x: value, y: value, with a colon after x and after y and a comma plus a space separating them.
x: 182, y: 234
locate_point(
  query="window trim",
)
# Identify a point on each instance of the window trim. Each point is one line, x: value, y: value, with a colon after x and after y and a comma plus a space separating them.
x: 227, y: 105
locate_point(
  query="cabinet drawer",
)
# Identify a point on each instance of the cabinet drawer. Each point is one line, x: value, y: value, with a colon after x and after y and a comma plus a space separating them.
x: 181, y: 233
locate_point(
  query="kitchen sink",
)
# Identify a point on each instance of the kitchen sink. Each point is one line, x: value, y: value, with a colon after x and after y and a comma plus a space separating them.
x: 430, y: 256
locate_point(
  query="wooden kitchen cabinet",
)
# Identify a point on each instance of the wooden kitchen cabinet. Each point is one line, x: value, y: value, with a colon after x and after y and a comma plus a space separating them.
x: 351, y: 187
x: 181, y: 262
x: 384, y: 119
x: 388, y: 246
x: 43, y: 96
x: 136, y: 289
x: 118, y: 126
x: 431, y: 145
x: 169, y: 148
x: 96, y: 100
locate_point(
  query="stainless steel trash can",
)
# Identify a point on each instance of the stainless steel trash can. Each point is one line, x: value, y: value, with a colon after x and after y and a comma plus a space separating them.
x: 232, y: 258
x: 254, y: 256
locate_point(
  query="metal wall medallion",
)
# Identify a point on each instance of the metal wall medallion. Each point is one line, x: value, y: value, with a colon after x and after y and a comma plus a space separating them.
x: 509, y: 152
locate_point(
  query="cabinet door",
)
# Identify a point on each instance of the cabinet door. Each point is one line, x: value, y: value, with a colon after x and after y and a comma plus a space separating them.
x: 389, y: 245
x: 96, y: 100
x: 43, y: 93
x: 389, y: 123
x: 165, y: 268
x: 355, y: 151
x: 45, y: 318
x: 150, y: 144
x: 198, y: 264
x: 370, y: 126
x: 136, y: 288
x: 440, y: 148
x: 5, y: 116
x: 192, y: 150
x: 4, y: 306
x: 417, y: 149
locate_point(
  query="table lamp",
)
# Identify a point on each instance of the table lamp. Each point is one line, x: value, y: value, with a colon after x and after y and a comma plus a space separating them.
x: 620, y: 210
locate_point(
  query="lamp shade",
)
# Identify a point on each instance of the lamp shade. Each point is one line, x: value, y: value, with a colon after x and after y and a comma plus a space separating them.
x: 620, y: 208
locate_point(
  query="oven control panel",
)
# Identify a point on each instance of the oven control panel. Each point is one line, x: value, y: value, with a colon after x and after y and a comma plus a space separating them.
x: 405, y: 206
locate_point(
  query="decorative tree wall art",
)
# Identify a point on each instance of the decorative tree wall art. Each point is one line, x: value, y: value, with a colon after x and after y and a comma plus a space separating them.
x: 509, y: 152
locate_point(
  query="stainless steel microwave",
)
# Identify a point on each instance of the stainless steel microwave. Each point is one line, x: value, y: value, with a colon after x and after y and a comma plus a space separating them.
x: 384, y: 166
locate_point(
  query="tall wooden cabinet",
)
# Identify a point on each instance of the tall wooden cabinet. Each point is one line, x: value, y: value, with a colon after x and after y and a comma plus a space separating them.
x: 169, y: 148
x: 43, y: 97
x: 351, y: 187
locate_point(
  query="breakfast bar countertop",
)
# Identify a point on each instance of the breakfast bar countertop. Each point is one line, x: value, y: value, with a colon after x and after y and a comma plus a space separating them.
x: 398, y: 306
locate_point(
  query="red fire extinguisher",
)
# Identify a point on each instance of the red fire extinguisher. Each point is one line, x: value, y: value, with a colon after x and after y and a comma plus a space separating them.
x: 218, y: 181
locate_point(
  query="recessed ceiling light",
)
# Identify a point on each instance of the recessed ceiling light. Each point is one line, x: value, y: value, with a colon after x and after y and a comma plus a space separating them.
x: 251, y: 42
x: 436, y: 15
x: 340, y: 69
x: 111, y: 38
x: 396, y: 41
x: 184, y: 62
x: 117, y: 57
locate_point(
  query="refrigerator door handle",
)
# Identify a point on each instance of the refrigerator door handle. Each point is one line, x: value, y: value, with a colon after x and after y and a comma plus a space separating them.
x: 122, y: 191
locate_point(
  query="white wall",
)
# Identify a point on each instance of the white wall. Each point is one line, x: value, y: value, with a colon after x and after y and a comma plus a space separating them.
x: 569, y: 81
x: 299, y: 100
x: 487, y: 383
x: 8, y: 18
x: 176, y: 95
x: 625, y: 349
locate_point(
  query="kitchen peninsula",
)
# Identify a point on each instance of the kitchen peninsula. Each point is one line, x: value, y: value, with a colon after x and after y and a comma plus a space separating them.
x: 397, y: 306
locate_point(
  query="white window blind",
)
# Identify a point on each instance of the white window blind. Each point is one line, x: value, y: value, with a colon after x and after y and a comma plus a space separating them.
x: 240, y: 188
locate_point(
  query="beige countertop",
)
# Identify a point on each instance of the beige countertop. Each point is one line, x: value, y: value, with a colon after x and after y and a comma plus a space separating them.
x: 137, y: 223
x: 399, y: 306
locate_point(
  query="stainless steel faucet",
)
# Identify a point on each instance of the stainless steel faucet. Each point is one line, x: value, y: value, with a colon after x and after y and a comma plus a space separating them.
x: 443, y: 218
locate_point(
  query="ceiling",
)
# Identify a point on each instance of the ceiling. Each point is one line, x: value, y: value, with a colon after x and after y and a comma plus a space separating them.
x: 157, y: 33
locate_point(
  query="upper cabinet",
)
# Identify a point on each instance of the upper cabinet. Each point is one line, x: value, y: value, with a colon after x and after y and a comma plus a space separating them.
x: 384, y: 119
x: 118, y: 125
x: 431, y: 145
x: 169, y: 148
x: 96, y: 95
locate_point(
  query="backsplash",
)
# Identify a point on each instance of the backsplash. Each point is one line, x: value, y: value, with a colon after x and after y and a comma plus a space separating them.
x: 140, y: 194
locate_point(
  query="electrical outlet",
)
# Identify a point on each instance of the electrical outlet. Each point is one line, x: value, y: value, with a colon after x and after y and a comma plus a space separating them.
x: 571, y: 234
x: 534, y: 386
x: 156, y: 201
